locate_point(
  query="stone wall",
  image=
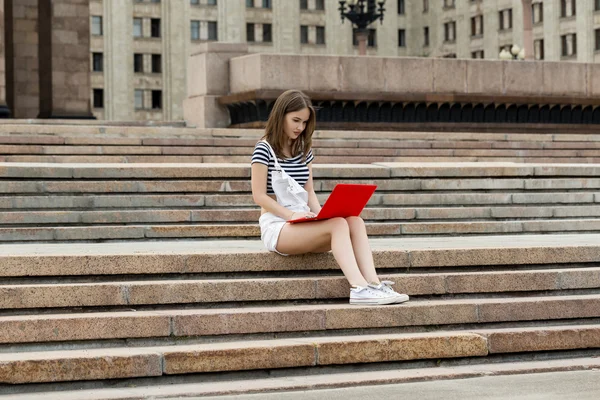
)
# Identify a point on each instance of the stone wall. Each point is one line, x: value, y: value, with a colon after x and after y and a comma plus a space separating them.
x: 413, y: 75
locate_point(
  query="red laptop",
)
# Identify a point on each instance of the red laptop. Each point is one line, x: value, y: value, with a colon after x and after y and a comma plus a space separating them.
x: 346, y: 200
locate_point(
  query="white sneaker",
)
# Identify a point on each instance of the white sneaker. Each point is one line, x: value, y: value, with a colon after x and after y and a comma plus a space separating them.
x: 386, y: 287
x: 369, y: 296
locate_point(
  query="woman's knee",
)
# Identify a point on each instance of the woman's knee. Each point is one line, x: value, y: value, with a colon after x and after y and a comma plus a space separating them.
x: 355, y: 221
x: 338, y: 224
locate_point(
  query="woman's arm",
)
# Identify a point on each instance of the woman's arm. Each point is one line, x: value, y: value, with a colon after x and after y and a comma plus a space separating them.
x: 313, y: 201
x: 260, y: 196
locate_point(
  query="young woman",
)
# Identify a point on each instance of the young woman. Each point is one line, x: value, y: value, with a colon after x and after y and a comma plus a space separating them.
x: 282, y: 185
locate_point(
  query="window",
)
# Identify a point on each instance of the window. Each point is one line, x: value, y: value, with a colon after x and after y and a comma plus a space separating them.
x: 537, y: 13
x: 597, y: 34
x: 320, y: 5
x: 195, y: 27
x: 96, y: 25
x: 450, y: 31
x: 303, y: 34
x: 157, y: 99
x: 304, y: 4
x: 567, y: 8
x: 505, y: 19
x: 477, y: 25
x: 212, y: 30
x: 139, y: 99
x: 371, y: 40
x: 596, y: 5
x: 194, y: 2
x: 155, y: 27
x: 401, y: 38
x: 156, y: 63
x: 401, y: 8
x: 426, y: 36
x: 425, y: 6
x: 138, y: 63
x: 250, y: 32
x: 137, y: 27
x: 449, y: 3
x: 538, y: 49
x: 211, y: 2
x: 267, y: 35
x: 449, y: 55
x: 568, y: 44
x: 250, y: 3
x: 97, y: 62
x: 98, y: 98
x: 477, y: 54
x: 266, y: 3
x: 320, y: 35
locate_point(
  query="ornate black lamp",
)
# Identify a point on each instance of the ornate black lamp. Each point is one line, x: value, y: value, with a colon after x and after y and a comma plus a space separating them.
x: 362, y: 13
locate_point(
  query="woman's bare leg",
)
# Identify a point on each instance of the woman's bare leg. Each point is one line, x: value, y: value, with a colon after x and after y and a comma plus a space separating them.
x: 315, y: 236
x: 362, y: 250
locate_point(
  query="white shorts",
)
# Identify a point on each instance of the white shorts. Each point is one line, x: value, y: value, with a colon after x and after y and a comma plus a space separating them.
x: 270, y: 228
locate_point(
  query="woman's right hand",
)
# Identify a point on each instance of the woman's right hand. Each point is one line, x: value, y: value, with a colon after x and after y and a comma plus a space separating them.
x: 299, y: 215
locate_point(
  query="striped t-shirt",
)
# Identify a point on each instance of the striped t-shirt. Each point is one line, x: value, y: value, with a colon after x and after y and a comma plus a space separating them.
x: 294, y: 166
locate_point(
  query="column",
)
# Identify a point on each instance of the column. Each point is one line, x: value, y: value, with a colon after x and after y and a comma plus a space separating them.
x: 4, y: 110
x: 175, y: 42
x: 21, y: 57
x: 232, y: 21
x: 118, y: 48
x: 64, y: 59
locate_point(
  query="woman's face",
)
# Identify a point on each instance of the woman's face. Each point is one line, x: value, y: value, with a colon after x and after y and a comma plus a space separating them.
x: 295, y: 122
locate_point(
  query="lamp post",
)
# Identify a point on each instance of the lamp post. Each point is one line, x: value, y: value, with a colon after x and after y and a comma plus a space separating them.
x: 515, y: 53
x: 362, y: 13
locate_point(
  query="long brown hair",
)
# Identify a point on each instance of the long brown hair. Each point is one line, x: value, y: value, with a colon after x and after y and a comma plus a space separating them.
x: 290, y: 101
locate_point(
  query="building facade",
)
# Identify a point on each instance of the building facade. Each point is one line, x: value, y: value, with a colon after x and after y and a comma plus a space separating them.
x: 140, y: 48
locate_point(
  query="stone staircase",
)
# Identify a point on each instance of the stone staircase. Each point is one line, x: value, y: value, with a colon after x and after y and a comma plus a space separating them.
x: 165, y: 144
x: 136, y: 320
x: 92, y: 202
x: 147, y: 280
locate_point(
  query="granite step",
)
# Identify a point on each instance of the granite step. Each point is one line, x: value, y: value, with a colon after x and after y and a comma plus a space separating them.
x: 151, y: 200
x: 351, y: 159
x: 200, y: 290
x: 62, y: 186
x: 249, y: 256
x: 135, y: 231
x: 328, y: 378
x: 398, y: 141
x: 251, y: 215
x: 17, y: 129
x: 420, y: 170
x: 245, y: 149
x: 271, y: 319
x: 136, y: 362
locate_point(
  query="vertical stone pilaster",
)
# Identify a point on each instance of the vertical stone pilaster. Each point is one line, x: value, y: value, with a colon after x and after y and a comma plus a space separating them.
x: 551, y: 38
x: 21, y: 57
x: 118, y: 44
x: 175, y: 57
x: 4, y: 110
x: 286, y: 27
x: 64, y: 59
x: 232, y: 21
